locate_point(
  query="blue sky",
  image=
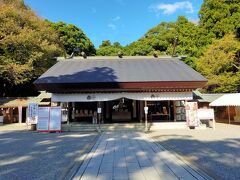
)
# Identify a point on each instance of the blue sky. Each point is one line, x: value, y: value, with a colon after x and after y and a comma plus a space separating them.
x: 116, y: 20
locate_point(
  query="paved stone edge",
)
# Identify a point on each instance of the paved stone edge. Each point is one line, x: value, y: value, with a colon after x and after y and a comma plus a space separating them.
x: 85, y: 160
x: 80, y: 160
x: 191, y: 166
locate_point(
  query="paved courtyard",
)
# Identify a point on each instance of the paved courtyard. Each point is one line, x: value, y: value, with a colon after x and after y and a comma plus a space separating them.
x: 216, y: 152
x: 26, y: 155
x: 131, y: 155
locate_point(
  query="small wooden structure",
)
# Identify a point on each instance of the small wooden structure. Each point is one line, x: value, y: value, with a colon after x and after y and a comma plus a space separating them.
x: 14, y: 109
x: 227, y: 100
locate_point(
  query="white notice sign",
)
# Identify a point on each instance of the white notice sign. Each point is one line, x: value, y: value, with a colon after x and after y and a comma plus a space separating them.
x: 55, y: 119
x: 43, y: 118
x: 205, y: 114
x: 32, y: 113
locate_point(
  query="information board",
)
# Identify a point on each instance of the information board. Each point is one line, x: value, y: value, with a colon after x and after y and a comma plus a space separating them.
x: 49, y: 119
x: 55, y: 119
x: 43, y: 119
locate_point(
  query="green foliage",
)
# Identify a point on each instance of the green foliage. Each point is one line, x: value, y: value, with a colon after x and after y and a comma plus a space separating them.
x: 73, y: 39
x: 107, y: 49
x: 28, y: 44
x: 188, y: 39
x: 221, y: 65
x: 219, y: 17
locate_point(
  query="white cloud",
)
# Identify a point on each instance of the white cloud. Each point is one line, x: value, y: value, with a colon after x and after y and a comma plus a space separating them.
x: 116, y: 18
x: 112, y: 26
x: 168, y: 9
x: 194, y: 21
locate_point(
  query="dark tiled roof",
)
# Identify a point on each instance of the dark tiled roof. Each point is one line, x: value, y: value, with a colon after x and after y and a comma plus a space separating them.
x: 119, y: 70
x: 206, y: 97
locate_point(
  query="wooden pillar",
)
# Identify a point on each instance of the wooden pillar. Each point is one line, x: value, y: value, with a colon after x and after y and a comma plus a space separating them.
x: 19, y: 114
x: 73, y: 111
x: 229, y: 121
x: 68, y: 114
x: 146, y: 121
x: 174, y: 111
x: 141, y: 111
x: 99, y: 113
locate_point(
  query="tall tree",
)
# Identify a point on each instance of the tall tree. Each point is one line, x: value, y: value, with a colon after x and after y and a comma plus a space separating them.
x: 220, y: 16
x: 107, y: 49
x: 221, y: 65
x: 28, y: 45
x: 73, y: 39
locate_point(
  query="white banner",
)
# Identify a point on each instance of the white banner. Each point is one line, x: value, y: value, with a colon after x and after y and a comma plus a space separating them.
x: 32, y: 113
x: 94, y: 97
x: 191, y: 114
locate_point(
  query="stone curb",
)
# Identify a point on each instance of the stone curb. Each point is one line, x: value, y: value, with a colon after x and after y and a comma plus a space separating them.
x: 191, y: 166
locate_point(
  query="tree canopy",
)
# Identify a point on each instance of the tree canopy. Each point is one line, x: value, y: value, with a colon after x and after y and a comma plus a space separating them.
x: 109, y: 49
x: 28, y: 44
x: 73, y: 39
x: 221, y: 65
x: 219, y: 17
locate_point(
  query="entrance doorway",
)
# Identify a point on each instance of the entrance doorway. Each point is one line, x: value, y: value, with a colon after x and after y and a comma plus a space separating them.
x: 122, y: 110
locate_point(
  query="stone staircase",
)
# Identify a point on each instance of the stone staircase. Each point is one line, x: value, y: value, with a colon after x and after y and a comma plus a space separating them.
x: 103, y: 127
x: 78, y: 127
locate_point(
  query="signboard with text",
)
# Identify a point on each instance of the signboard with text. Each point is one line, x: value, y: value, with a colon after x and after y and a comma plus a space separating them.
x: 32, y: 113
x: 205, y: 113
x: 43, y: 118
x: 49, y: 119
x: 55, y: 119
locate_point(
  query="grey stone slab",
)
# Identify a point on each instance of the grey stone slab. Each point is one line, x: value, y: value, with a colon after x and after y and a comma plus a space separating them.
x: 168, y: 176
x: 120, y: 163
x: 145, y: 163
x: 150, y: 173
x: 162, y: 168
x: 105, y: 176
x: 90, y: 173
x: 133, y: 167
x: 120, y: 173
x: 129, y: 158
x: 136, y: 176
x: 180, y: 172
x: 106, y: 168
x: 94, y: 163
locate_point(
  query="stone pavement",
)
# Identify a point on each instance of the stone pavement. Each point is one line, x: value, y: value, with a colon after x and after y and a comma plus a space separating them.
x: 131, y: 155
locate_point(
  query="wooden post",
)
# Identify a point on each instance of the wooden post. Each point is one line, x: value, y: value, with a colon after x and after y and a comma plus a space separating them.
x: 99, y: 116
x: 146, y: 121
x: 19, y: 114
x: 68, y: 114
x: 73, y: 110
x: 228, y: 115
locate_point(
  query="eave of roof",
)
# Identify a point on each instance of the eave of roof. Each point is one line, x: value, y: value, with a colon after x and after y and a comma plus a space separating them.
x: 135, y: 72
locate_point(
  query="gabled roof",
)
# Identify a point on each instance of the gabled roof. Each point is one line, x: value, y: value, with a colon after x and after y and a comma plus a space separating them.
x: 227, y: 100
x: 206, y: 97
x: 104, y: 71
x: 43, y: 99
